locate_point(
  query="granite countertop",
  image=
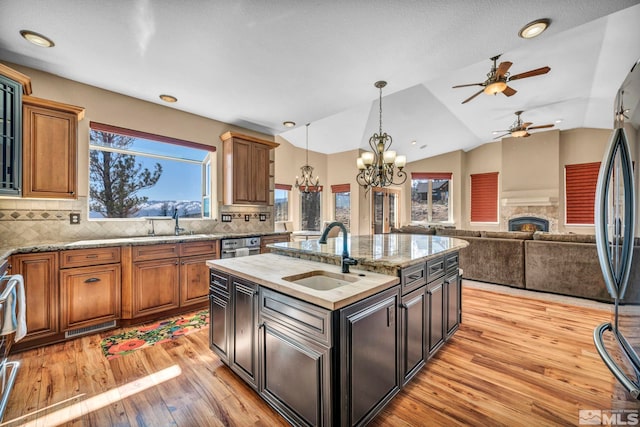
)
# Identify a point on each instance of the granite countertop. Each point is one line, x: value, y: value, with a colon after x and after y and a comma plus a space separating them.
x: 6, y: 251
x: 385, y: 253
x: 268, y: 270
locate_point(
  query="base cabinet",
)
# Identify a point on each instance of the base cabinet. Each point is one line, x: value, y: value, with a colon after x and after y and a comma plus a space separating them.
x: 454, y: 310
x: 414, y: 327
x: 437, y: 315
x: 369, y: 327
x: 244, y: 336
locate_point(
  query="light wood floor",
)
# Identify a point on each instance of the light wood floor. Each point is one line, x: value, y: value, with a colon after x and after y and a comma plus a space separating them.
x: 515, y: 361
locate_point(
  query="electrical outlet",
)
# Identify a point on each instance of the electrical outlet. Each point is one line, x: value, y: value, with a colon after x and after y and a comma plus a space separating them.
x: 247, y: 217
x: 74, y: 218
x: 226, y: 217
x: 263, y: 217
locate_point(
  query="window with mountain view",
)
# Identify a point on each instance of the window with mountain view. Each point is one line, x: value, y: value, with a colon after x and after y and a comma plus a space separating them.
x: 135, y: 174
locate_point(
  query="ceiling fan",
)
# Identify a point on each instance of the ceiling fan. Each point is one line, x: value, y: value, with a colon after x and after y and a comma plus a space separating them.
x: 498, y: 78
x: 519, y: 129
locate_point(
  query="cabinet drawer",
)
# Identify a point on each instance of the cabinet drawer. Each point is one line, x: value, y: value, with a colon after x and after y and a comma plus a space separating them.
x: 89, y: 257
x: 153, y: 252
x: 219, y: 282
x: 435, y: 268
x: 451, y: 262
x: 199, y: 248
x: 306, y: 319
x: 413, y: 277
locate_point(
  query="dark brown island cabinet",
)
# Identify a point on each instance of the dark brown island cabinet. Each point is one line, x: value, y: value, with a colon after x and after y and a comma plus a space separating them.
x: 319, y: 367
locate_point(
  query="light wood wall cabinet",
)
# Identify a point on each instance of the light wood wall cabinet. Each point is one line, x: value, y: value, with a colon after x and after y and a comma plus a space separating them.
x: 246, y: 169
x: 40, y: 272
x: 89, y: 287
x: 165, y: 277
x: 49, y: 152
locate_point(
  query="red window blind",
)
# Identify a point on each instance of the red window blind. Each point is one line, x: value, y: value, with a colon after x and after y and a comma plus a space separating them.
x: 431, y: 175
x: 580, y: 192
x: 341, y: 188
x: 484, y: 197
x: 286, y: 187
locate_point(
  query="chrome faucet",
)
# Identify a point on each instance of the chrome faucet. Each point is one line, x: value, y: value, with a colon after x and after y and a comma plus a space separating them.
x: 346, y: 259
x: 175, y: 216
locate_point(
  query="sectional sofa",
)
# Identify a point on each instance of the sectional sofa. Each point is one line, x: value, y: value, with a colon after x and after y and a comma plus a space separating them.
x: 565, y: 264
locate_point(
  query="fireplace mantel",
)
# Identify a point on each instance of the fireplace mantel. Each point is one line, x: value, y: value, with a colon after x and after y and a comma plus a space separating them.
x: 530, y: 201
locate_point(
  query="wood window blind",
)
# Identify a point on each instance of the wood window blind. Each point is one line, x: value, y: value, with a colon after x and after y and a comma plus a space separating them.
x: 484, y: 197
x: 431, y: 175
x: 341, y: 188
x: 580, y: 192
x: 286, y: 187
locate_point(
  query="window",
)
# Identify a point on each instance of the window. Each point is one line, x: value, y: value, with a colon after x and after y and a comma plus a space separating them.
x: 484, y: 197
x: 281, y: 201
x: 430, y: 197
x: 580, y: 192
x: 10, y: 136
x: 310, y: 208
x: 136, y: 174
x: 342, y: 203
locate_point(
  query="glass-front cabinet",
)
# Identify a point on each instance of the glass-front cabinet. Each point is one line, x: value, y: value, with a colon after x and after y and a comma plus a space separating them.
x: 10, y: 135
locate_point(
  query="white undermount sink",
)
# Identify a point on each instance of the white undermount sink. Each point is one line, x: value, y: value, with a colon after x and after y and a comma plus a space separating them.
x: 321, y: 280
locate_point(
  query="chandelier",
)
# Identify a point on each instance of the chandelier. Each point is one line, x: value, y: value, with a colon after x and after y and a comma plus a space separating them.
x: 380, y: 167
x: 307, y: 184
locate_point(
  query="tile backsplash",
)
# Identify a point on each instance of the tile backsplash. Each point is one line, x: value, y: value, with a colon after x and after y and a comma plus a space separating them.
x: 24, y: 222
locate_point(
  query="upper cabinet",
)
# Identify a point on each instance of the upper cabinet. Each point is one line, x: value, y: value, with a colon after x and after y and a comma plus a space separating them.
x: 12, y: 86
x: 246, y: 169
x: 49, y: 148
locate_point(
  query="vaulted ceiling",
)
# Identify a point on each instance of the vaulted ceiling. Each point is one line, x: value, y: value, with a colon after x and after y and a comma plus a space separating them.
x: 258, y: 63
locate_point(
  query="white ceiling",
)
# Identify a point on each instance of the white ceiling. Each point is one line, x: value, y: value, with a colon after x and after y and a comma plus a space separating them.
x: 257, y: 63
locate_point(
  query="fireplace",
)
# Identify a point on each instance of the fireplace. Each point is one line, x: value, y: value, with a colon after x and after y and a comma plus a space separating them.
x: 528, y: 223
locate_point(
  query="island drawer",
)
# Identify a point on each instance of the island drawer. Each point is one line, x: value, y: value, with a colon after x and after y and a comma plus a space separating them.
x: 451, y: 261
x: 219, y: 282
x: 298, y: 316
x: 89, y: 257
x: 413, y: 277
x: 154, y: 252
x: 435, y: 268
x: 203, y: 247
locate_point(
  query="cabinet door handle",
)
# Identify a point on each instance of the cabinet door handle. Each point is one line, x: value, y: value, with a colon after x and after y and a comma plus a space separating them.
x: 182, y: 263
x: 176, y: 262
x: 72, y: 192
x: 261, y: 325
x: 414, y: 276
x: 92, y: 280
x: 403, y: 305
x: 91, y: 256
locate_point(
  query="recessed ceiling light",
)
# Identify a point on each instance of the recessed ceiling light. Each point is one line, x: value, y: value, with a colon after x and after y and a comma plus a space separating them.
x: 413, y: 142
x: 168, y: 98
x: 288, y: 124
x: 559, y: 121
x: 37, y: 39
x: 534, y: 29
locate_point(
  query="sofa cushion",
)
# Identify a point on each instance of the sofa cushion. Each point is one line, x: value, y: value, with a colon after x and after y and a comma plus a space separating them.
x: 454, y: 232
x: 413, y: 229
x: 520, y: 235
x: 568, y: 237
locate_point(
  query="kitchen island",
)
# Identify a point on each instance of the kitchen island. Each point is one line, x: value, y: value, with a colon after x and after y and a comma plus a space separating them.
x: 330, y: 348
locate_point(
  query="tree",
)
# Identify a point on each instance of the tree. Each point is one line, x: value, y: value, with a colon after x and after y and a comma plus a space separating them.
x: 115, y: 178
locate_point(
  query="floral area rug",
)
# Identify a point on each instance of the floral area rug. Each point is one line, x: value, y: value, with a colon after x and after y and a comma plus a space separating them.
x: 146, y: 336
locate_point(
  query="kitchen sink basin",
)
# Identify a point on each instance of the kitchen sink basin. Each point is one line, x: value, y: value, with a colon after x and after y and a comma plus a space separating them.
x: 321, y: 280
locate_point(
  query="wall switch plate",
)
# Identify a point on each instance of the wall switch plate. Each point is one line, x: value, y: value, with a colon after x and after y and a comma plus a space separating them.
x: 247, y: 217
x: 263, y: 217
x: 226, y: 217
x: 74, y: 218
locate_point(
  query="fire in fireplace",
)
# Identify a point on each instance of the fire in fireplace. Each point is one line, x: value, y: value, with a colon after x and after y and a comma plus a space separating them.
x: 528, y: 223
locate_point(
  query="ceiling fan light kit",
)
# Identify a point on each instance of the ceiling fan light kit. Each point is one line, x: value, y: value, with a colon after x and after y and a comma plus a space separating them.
x: 519, y: 129
x: 380, y: 167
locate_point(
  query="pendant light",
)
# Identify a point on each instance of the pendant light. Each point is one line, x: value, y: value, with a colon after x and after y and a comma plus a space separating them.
x: 380, y: 167
x: 307, y: 184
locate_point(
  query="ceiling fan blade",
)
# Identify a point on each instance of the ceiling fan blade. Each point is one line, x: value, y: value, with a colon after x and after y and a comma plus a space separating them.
x: 527, y: 135
x: 540, y: 127
x: 470, y: 84
x: 531, y: 73
x: 526, y: 125
x: 509, y: 91
x: 503, y: 68
x: 472, y: 96
x: 497, y: 137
